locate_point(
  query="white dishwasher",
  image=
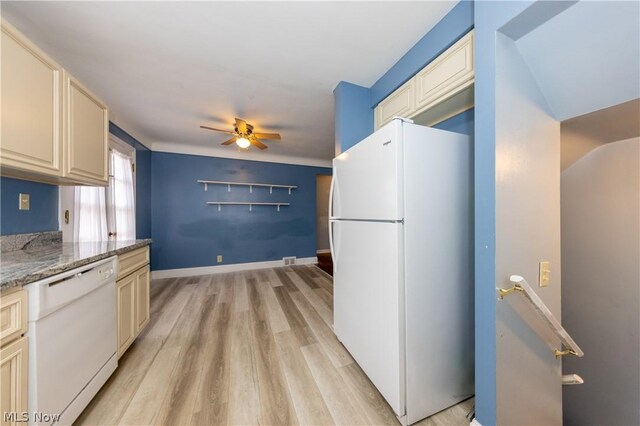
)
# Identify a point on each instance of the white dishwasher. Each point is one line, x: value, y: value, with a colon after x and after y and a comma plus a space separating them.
x: 72, y: 340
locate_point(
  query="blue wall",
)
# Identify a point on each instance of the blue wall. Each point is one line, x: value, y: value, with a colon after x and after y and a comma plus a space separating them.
x: 354, y: 104
x: 43, y: 215
x: 353, y: 115
x: 488, y: 17
x: 143, y: 181
x: 188, y: 233
x: 450, y: 29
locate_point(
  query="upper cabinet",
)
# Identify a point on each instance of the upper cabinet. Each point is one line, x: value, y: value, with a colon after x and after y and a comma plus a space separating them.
x: 86, y: 132
x: 31, y: 98
x: 440, y: 90
x: 52, y: 128
x: 400, y: 103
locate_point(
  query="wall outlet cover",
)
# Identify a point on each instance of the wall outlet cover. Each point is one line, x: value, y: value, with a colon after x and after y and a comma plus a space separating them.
x: 219, y: 258
x: 23, y: 202
x: 291, y: 260
x: 544, y: 274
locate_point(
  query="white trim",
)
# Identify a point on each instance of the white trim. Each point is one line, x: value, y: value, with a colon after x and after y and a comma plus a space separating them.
x: 217, y: 269
x: 323, y: 251
x: 475, y: 422
x: 128, y: 128
x: 265, y: 157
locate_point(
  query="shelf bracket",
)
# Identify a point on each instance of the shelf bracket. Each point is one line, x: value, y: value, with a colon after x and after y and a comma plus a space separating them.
x: 289, y: 190
x: 219, y: 207
x: 278, y: 207
x: 250, y: 207
x: 271, y: 190
x: 228, y: 188
x: 206, y: 187
x: 250, y: 188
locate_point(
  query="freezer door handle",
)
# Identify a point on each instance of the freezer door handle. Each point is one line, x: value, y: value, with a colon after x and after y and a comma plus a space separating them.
x: 333, y: 184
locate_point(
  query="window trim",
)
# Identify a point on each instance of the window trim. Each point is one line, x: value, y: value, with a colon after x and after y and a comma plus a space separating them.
x: 65, y: 193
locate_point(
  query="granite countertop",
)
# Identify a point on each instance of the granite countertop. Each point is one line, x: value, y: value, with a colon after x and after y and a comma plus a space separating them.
x: 39, y: 261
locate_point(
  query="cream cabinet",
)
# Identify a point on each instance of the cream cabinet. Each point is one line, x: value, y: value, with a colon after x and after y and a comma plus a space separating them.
x: 132, y: 296
x: 440, y: 90
x: 31, y: 101
x: 52, y: 128
x: 400, y: 103
x: 86, y: 134
x: 142, y: 297
x: 126, y: 300
x: 13, y: 381
x: 14, y: 356
x: 447, y: 75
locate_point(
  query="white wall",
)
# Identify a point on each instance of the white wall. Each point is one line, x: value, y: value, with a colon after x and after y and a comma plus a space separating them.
x: 601, y: 284
x: 528, y: 377
x: 323, y: 185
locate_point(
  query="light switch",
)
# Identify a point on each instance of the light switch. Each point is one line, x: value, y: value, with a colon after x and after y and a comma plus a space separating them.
x: 544, y: 274
x: 23, y: 202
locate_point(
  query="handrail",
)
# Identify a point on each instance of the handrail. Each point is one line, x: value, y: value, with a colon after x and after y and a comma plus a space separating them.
x: 520, y: 285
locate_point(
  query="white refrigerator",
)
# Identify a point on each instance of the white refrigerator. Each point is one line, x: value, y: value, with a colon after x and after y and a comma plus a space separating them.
x: 401, y: 234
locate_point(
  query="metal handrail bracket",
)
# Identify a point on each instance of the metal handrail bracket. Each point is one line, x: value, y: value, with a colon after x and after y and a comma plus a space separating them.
x: 521, y: 286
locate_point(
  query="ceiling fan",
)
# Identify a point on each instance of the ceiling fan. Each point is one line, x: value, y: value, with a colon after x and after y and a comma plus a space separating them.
x: 243, y: 135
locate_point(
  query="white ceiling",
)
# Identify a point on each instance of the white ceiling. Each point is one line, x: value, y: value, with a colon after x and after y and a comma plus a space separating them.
x: 165, y: 68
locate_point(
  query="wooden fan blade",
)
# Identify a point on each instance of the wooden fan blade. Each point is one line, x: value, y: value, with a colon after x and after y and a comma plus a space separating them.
x: 257, y: 143
x: 271, y: 136
x: 241, y: 125
x: 217, y: 130
x: 230, y: 141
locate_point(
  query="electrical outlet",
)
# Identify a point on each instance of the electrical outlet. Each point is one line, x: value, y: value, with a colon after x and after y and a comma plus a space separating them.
x: 23, y: 202
x: 289, y: 260
x: 219, y: 258
x: 544, y: 274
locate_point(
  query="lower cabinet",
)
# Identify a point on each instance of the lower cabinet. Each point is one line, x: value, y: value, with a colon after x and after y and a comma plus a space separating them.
x: 13, y: 381
x: 133, y: 306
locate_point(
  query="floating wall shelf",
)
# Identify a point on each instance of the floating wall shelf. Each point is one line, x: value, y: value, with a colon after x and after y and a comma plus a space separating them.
x: 250, y: 185
x: 250, y: 204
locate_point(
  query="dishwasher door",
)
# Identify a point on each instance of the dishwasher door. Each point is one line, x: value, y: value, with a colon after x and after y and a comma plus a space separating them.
x: 72, y: 337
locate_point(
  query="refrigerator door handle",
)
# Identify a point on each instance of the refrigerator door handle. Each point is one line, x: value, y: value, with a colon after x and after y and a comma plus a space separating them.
x: 331, y: 247
x: 333, y: 184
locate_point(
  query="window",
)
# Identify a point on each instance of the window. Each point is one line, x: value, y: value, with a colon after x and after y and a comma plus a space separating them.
x: 97, y: 213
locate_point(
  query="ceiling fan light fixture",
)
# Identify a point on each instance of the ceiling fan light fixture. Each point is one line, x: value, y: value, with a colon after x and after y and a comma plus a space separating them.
x: 243, y: 143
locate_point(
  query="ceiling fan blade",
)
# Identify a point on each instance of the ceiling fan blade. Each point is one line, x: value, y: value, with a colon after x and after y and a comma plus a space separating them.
x: 271, y: 136
x: 241, y: 125
x: 257, y: 143
x: 230, y: 141
x: 216, y: 130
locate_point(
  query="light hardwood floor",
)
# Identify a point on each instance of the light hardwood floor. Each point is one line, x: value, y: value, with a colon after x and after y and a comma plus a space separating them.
x: 244, y: 348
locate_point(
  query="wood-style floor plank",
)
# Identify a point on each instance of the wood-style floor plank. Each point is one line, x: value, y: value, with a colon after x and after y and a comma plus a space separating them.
x: 338, y: 355
x: 342, y: 405
x: 275, y: 401
x: 244, y: 348
x: 307, y: 399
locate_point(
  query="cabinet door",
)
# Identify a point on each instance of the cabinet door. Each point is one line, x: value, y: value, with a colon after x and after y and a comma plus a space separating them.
x: 13, y: 380
x: 30, y: 108
x: 13, y: 316
x: 86, y: 128
x: 142, y: 298
x: 127, y: 329
x: 447, y: 75
x: 400, y: 103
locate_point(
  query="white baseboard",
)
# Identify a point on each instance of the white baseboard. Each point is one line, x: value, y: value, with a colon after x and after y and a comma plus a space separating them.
x: 323, y: 251
x: 475, y: 422
x: 218, y: 269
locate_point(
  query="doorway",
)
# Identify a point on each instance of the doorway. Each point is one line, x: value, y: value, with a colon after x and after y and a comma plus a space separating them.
x: 323, y: 187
